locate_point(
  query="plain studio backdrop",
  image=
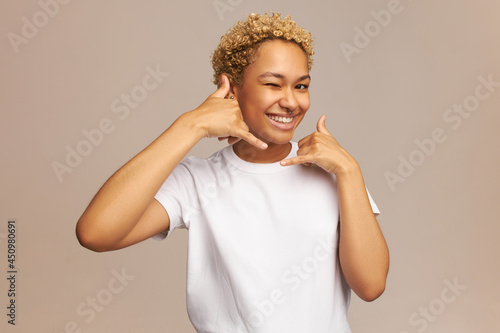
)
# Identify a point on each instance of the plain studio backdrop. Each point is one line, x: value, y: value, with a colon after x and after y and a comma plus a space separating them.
x: 410, y: 88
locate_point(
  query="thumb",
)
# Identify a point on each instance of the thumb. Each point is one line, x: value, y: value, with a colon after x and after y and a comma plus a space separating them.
x: 321, y: 125
x: 224, y: 87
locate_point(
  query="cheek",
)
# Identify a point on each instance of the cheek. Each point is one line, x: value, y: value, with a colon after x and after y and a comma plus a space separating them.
x: 305, y: 103
x: 257, y: 102
x: 264, y: 98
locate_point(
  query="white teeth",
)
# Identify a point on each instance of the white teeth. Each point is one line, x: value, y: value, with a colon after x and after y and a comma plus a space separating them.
x: 283, y: 120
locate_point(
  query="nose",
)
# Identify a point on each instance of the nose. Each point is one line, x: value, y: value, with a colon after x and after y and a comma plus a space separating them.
x: 288, y: 100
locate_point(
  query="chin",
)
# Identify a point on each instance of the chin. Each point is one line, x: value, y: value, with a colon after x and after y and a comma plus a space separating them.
x: 278, y: 140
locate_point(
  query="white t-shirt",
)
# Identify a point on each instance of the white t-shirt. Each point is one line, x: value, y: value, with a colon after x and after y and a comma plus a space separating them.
x: 263, y: 241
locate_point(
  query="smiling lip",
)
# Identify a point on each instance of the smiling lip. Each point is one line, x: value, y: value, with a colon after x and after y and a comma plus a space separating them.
x: 282, y: 122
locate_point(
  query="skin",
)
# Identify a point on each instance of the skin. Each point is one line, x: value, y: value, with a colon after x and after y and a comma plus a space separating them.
x: 124, y: 211
x: 277, y: 85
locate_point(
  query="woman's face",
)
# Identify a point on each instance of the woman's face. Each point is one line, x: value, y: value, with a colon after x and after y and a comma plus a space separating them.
x: 274, y: 94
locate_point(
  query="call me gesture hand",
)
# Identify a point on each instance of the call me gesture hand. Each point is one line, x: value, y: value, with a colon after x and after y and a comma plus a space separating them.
x: 221, y: 117
x: 322, y: 149
x: 363, y: 253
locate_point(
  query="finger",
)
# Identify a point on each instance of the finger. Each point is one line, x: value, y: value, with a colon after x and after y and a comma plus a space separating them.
x: 295, y: 160
x: 304, y: 150
x: 224, y: 87
x: 251, y: 139
x: 304, y: 140
x: 232, y: 140
x: 321, y: 125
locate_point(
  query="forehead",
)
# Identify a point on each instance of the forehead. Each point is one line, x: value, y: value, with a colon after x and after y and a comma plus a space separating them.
x: 278, y: 56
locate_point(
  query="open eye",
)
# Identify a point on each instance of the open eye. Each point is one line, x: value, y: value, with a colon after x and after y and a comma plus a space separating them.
x: 302, y: 86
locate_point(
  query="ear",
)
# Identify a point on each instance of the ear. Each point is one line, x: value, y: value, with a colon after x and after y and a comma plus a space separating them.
x: 232, y: 85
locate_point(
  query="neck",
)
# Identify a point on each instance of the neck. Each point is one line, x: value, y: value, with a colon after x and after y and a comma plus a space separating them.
x: 274, y: 152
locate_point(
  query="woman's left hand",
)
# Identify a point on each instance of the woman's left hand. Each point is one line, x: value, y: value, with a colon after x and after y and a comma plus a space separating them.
x: 322, y: 149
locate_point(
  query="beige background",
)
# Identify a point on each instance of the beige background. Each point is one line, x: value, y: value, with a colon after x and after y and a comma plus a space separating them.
x: 441, y: 223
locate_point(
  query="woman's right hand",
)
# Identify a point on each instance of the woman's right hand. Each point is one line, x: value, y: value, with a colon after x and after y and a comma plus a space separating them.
x: 220, y: 116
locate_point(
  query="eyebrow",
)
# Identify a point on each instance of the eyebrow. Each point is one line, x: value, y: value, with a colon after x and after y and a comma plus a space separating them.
x: 281, y: 76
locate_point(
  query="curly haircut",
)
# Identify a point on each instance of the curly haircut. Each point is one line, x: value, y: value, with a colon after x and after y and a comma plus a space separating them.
x: 239, y: 45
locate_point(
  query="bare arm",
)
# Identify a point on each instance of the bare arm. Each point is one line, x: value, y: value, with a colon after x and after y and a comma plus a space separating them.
x: 363, y: 252
x: 124, y: 210
x: 128, y: 195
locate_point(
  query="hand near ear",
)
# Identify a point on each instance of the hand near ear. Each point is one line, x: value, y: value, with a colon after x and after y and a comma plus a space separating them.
x: 220, y: 116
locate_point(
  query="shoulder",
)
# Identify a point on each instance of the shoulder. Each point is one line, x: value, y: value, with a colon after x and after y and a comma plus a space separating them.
x: 202, y: 167
x: 193, y: 162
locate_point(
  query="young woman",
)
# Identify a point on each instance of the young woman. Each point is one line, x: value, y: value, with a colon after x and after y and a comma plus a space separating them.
x: 279, y: 232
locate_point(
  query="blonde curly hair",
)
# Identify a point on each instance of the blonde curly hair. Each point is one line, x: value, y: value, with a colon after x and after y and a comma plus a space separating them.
x: 240, y: 43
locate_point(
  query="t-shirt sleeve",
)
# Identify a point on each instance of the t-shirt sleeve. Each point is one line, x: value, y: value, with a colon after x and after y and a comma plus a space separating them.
x: 375, y: 209
x: 172, y: 196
